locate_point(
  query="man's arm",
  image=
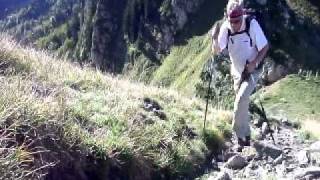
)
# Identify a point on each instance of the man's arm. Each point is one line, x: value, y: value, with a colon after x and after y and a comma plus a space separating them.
x: 261, y: 43
x: 215, y: 33
x: 260, y: 57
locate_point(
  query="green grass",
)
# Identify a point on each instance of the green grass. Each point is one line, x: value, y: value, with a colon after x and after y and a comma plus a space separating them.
x: 71, y: 111
x: 55, y: 39
x: 296, y: 97
x: 182, y: 67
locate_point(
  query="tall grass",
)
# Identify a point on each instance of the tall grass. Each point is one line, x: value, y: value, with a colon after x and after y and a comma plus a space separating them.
x: 72, y: 111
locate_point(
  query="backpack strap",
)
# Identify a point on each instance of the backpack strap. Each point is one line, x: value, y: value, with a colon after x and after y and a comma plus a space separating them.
x: 247, y: 29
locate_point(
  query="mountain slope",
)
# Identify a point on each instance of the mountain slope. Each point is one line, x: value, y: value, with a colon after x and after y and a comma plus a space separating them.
x: 125, y: 36
x: 72, y: 122
x: 181, y: 69
x: 295, y: 97
x: 7, y: 7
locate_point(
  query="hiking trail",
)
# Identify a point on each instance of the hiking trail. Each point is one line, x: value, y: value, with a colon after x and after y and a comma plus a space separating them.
x: 291, y: 157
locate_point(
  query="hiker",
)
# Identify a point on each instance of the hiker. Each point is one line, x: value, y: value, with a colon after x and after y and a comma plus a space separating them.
x: 242, y: 36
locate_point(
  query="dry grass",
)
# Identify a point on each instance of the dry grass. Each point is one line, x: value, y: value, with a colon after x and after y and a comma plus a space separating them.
x: 83, y: 110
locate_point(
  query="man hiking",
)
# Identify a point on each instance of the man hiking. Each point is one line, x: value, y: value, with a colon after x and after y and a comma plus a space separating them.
x: 242, y: 36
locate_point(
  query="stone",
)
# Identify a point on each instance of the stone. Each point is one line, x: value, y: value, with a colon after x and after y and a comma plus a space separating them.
x: 285, y: 121
x: 228, y: 155
x: 290, y: 168
x: 265, y: 128
x: 160, y: 114
x: 278, y: 160
x: 275, y: 71
x: 315, y: 147
x: 253, y: 165
x: 303, y: 157
x: 258, y: 122
x: 268, y: 149
x: 309, y: 173
x: 214, y: 164
x: 236, y: 162
x: 223, y: 175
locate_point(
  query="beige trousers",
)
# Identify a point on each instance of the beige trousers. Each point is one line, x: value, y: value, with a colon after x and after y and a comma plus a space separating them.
x: 241, y: 118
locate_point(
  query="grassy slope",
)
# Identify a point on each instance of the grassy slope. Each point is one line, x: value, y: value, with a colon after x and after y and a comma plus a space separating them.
x: 298, y: 98
x: 182, y: 67
x: 89, y: 112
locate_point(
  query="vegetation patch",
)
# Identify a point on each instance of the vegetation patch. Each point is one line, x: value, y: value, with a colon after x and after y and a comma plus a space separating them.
x: 296, y: 96
x: 182, y: 68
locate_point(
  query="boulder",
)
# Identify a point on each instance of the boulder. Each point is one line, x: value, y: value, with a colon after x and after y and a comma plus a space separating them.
x: 315, y: 147
x: 236, y: 162
x: 309, y: 173
x: 303, y: 157
x: 267, y: 149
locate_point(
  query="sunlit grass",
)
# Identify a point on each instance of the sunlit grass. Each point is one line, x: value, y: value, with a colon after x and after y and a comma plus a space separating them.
x: 296, y: 97
x: 89, y: 111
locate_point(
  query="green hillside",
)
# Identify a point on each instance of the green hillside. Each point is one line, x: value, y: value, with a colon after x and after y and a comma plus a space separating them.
x: 57, y: 117
x: 181, y: 69
x: 296, y: 97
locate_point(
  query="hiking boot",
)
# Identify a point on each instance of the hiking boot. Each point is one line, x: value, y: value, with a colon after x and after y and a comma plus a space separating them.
x: 241, y: 142
x: 240, y: 145
x: 247, y: 141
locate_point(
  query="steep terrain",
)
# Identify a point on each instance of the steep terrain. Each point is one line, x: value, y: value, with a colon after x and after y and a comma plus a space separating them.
x: 135, y: 37
x: 103, y: 32
x: 61, y: 121
x: 8, y: 7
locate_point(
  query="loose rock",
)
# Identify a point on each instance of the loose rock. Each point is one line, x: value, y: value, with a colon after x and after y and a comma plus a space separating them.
x: 267, y: 149
x: 265, y: 128
x: 315, y: 147
x: 303, y: 157
x: 223, y: 176
x: 236, y: 162
x: 309, y: 173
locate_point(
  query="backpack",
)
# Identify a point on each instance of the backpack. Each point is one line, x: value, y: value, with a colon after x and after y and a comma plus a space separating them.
x: 250, y: 15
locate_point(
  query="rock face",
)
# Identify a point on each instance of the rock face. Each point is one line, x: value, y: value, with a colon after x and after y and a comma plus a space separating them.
x: 112, y: 34
x: 107, y: 50
x: 9, y: 6
x: 181, y: 9
x: 99, y: 31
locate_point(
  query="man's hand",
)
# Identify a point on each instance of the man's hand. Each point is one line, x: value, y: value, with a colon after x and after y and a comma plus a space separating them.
x: 214, y: 36
x: 215, y: 47
x: 251, y: 66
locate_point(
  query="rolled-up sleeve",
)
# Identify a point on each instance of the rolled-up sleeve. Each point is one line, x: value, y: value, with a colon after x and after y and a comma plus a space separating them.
x: 223, y: 37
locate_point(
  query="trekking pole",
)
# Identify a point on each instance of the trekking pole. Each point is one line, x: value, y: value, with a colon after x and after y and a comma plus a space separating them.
x: 264, y: 116
x: 208, y: 92
x: 262, y: 111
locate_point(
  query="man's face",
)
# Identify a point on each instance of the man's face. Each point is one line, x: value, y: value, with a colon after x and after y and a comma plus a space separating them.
x: 235, y: 23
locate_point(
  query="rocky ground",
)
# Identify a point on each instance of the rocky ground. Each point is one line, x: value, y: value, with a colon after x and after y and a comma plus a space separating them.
x: 291, y: 157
